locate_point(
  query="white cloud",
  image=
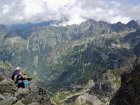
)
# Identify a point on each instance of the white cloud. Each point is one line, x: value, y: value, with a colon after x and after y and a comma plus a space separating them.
x: 120, y: 19
x: 33, y: 7
x: 57, y: 4
x: 75, y: 19
x: 74, y: 11
x: 5, y: 9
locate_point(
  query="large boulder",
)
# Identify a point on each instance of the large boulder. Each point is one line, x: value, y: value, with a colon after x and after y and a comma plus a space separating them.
x: 7, y: 86
x: 8, y: 101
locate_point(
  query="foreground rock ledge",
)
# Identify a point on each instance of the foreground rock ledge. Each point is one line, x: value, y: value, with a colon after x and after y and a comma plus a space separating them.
x: 129, y: 92
x: 8, y: 94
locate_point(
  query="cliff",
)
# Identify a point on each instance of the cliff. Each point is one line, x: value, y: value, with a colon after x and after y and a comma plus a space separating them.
x: 129, y: 92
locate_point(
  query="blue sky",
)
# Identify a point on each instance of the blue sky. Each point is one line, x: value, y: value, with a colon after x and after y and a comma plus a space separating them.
x: 136, y: 2
x: 68, y: 11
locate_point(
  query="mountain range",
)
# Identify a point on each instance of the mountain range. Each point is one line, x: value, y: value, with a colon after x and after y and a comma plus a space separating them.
x: 78, y: 64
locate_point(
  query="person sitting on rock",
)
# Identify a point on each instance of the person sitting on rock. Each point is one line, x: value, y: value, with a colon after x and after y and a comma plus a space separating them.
x: 19, y: 76
x: 22, y: 82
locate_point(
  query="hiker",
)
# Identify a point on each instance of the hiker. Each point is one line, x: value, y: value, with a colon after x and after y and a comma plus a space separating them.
x: 20, y: 78
x: 22, y: 82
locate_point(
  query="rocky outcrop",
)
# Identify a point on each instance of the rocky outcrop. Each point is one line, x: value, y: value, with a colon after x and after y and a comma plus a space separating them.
x: 9, y: 94
x: 129, y: 92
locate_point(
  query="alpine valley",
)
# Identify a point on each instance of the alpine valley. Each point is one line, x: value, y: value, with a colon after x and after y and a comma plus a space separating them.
x: 76, y: 64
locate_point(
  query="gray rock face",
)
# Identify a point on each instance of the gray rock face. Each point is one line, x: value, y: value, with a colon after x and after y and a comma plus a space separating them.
x: 8, y: 93
x: 8, y: 101
x: 129, y: 92
x: 7, y: 86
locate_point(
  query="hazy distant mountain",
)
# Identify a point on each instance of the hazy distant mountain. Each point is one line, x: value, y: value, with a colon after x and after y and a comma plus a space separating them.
x: 29, y: 26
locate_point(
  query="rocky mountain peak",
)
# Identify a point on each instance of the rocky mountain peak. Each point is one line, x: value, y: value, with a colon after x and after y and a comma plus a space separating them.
x: 117, y: 27
x: 132, y: 24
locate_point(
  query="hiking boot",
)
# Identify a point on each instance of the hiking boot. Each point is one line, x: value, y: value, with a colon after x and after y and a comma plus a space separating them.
x: 20, y: 96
